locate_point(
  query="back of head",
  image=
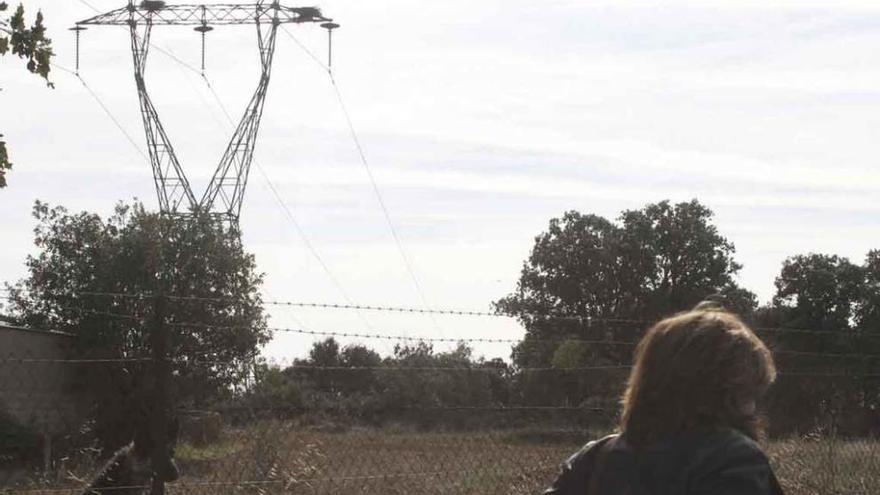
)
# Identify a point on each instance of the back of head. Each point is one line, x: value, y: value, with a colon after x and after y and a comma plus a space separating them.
x: 696, y: 371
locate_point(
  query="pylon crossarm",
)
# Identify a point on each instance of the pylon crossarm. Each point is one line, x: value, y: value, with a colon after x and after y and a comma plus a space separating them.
x: 197, y: 14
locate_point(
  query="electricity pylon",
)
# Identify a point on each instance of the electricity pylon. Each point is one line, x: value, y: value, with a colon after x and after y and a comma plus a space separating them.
x: 225, y: 192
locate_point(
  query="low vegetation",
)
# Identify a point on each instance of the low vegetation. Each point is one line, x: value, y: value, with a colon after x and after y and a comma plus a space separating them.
x: 270, y: 457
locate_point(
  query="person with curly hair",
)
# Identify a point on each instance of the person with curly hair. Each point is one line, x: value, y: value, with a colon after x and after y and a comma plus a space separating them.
x: 689, y: 423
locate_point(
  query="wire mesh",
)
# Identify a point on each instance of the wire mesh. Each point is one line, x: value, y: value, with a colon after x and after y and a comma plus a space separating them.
x: 419, y: 422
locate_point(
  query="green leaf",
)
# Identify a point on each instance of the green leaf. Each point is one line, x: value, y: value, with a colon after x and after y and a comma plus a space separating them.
x: 30, y: 44
x: 17, y: 21
x: 5, y: 164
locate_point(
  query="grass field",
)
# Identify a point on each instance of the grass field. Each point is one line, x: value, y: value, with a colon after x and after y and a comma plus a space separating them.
x: 277, y: 457
x: 280, y: 459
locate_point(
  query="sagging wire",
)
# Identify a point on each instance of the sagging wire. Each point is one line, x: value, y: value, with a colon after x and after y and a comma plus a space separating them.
x: 408, y: 265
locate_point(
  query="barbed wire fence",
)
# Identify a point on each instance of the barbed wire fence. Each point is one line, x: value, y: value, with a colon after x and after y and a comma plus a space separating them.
x: 418, y: 422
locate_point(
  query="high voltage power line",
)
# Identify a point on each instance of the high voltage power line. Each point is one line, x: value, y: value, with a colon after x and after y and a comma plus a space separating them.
x: 408, y: 265
x: 285, y: 209
x: 353, y: 133
x: 397, y: 241
x: 104, y: 107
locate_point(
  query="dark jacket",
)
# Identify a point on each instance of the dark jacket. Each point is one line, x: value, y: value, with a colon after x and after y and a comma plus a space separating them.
x: 719, y: 463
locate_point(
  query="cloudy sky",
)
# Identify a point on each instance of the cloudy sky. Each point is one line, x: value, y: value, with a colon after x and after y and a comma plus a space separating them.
x: 481, y: 121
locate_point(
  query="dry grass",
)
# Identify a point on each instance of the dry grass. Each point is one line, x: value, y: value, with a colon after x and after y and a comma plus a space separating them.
x: 277, y: 458
x: 827, y: 466
x: 280, y: 457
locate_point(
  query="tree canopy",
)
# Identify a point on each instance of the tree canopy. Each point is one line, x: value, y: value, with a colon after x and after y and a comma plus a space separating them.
x: 653, y: 261
x: 831, y: 306
x: 217, y: 327
x: 29, y: 43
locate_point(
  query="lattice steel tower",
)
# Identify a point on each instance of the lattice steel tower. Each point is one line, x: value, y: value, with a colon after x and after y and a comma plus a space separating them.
x: 225, y: 192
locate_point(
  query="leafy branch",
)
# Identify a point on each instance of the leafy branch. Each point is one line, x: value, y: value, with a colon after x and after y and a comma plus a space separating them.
x: 29, y: 43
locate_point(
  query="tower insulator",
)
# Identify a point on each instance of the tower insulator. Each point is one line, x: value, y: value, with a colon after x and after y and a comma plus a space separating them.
x: 330, y: 26
x: 203, y: 29
x: 77, y: 30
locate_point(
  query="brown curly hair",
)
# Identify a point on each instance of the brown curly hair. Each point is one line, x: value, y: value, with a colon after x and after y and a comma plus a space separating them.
x: 696, y: 371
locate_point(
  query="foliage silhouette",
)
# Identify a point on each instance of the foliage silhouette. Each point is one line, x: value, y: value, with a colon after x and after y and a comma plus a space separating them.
x: 138, y: 252
x: 29, y: 43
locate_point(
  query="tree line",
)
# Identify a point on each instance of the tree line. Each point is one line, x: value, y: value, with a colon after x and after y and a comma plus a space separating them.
x: 587, y: 279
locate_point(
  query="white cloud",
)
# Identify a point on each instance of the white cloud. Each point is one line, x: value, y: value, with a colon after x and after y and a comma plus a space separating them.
x: 481, y: 121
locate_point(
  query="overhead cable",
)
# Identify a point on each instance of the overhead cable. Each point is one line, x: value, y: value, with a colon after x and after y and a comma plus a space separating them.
x: 304, y: 238
x: 408, y: 265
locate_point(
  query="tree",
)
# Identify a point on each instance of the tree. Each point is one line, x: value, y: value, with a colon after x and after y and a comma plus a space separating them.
x: 359, y: 356
x: 677, y: 257
x: 868, y: 310
x: 274, y: 391
x: 215, y: 316
x: 327, y: 359
x: 868, y: 330
x: 572, y: 270
x: 836, y: 302
x: 654, y: 261
x: 590, y: 278
x: 29, y: 43
x: 819, y: 292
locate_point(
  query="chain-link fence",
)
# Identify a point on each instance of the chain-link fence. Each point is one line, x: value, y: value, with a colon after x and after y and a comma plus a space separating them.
x: 420, y: 422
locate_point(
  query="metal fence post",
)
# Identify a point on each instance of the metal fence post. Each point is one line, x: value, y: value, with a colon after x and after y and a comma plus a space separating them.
x: 161, y: 373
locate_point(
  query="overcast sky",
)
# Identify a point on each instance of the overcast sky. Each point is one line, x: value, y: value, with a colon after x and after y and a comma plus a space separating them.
x: 481, y: 121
